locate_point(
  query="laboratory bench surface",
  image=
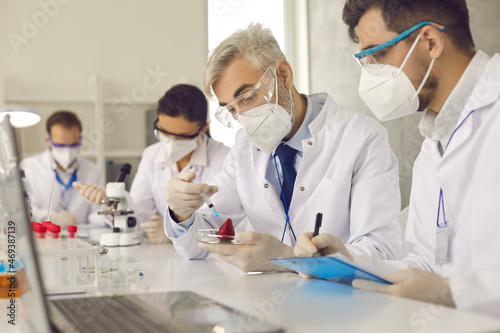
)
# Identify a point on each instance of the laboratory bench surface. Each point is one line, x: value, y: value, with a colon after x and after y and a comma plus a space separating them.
x: 291, y: 302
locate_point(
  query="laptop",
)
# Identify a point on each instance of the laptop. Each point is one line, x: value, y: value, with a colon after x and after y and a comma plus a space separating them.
x: 182, y: 311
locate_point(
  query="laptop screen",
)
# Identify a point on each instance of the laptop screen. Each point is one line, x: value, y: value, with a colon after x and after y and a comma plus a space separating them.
x: 19, y: 274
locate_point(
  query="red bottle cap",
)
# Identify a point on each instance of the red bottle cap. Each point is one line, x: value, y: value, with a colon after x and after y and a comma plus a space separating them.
x: 54, y: 228
x: 42, y: 229
x: 33, y: 225
x: 72, y: 228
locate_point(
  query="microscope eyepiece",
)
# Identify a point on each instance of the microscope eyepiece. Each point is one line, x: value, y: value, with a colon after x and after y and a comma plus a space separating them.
x: 124, y: 172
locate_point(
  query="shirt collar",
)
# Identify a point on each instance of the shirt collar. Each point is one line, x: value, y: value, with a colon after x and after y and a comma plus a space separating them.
x: 303, y: 133
x: 440, y: 126
x: 199, y: 157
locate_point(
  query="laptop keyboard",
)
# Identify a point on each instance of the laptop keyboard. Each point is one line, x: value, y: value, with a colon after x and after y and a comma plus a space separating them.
x: 122, y: 313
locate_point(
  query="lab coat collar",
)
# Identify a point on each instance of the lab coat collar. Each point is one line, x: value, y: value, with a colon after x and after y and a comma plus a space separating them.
x: 324, y: 101
x: 487, y: 90
x: 311, y: 124
x: 260, y: 162
x: 304, y: 133
x: 199, y: 157
x: 440, y: 126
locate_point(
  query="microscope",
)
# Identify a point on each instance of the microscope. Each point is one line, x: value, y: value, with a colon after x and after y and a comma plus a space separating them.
x: 121, y: 209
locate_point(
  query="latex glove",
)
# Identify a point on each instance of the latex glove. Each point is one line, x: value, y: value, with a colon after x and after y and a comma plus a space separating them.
x: 254, y: 254
x: 64, y: 218
x: 183, y: 196
x: 413, y: 283
x: 93, y: 193
x: 155, y: 231
x: 323, y: 244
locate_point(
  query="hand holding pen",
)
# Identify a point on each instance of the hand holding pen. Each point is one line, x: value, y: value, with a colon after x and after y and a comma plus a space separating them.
x: 314, y: 244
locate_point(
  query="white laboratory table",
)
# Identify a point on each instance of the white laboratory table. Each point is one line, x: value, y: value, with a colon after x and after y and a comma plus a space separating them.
x: 293, y: 303
x: 288, y: 301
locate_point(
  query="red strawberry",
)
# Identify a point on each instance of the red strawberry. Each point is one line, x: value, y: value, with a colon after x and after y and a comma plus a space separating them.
x: 226, y: 229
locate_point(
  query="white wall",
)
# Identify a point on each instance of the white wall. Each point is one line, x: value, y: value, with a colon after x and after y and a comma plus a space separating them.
x: 51, y: 48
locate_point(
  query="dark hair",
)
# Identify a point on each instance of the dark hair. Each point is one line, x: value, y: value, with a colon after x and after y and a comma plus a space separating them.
x: 400, y: 15
x: 65, y: 118
x: 184, y: 100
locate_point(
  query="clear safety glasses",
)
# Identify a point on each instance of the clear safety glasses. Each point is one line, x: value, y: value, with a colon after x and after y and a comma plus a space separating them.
x: 74, y: 145
x: 251, y: 98
x: 380, y: 54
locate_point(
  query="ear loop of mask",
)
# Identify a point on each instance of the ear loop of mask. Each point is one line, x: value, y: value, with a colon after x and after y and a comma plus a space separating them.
x: 292, y: 105
x: 276, y: 84
x: 426, y: 76
x: 408, y: 55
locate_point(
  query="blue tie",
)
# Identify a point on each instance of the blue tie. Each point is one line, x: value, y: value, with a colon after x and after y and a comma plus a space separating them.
x: 287, y: 155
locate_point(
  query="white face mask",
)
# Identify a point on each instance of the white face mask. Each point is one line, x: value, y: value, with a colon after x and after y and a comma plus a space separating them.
x: 177, y: 149
x: 64, y: 156
x: 388, y: 91
x: 265, y: 126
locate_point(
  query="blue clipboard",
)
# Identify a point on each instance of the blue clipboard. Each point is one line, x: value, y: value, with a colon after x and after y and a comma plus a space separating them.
x: 334, y: 267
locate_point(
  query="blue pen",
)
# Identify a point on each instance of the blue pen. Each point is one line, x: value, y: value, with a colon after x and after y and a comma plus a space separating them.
x: 209, y: 204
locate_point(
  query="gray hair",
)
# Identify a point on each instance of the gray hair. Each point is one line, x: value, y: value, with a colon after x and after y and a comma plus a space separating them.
x: 255, y: 44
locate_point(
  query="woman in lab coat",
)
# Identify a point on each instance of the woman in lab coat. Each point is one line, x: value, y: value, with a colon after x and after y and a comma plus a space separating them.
x: 184, y: 145
x: 453, y: 226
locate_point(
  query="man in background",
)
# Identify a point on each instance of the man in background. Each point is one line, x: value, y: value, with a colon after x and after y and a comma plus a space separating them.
x: 59, y: 166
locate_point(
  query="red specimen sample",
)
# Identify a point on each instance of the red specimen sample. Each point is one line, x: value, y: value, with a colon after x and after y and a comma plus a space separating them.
x: 226, y: 229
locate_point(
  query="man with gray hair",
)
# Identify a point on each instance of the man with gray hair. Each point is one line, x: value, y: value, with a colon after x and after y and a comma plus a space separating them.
x: 295, y: 156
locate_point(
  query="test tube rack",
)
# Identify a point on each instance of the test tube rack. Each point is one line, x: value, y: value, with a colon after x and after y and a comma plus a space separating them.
x: 55, y: 268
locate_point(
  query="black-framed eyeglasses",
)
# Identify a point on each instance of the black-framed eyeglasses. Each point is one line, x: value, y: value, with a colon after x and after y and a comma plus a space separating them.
x: 183, y: 136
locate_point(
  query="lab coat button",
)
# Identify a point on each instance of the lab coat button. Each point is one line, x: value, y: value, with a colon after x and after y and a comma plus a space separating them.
x: 266, y: 185
x: 258, y: 149
x: 302, y: 188
x: 310, y: 143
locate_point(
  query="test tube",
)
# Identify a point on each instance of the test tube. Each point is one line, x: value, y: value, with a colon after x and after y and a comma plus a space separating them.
x: 40, y: 237
x: 209, y: 204
x: 55, y: 244
x: 72, y: 245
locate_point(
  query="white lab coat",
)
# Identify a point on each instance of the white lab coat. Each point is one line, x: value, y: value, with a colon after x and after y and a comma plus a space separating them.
x: 469, y: 174
x: 348, y: 173
x: 155, y: 169
x: 40, y: 177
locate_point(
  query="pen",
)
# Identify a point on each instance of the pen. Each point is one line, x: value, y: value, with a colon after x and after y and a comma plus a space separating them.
x: 209, y: 204
x: 319, y: 218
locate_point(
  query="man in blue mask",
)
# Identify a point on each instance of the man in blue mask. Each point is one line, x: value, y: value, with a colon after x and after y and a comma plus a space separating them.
x: 419, y: 55
x: 295, y: 155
